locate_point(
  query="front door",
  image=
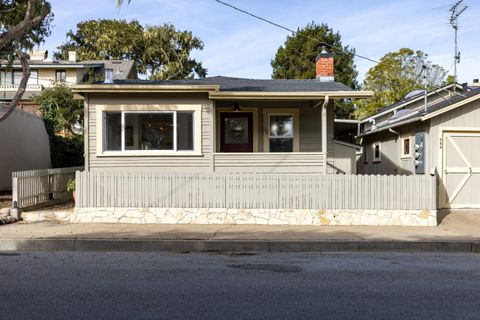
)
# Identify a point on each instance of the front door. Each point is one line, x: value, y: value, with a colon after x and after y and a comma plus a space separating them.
x: 236, y: 130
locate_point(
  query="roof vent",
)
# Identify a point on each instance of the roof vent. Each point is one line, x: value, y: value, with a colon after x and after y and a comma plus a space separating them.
x: 108, y: 76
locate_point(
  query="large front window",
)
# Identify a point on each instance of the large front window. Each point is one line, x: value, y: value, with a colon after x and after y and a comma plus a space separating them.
x: 149, y: 131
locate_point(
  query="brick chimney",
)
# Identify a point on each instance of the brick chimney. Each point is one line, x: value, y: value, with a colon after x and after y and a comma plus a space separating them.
x: 324, y: 66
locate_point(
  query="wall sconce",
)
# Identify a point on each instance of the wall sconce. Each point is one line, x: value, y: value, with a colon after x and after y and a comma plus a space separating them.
x: 236, y: 107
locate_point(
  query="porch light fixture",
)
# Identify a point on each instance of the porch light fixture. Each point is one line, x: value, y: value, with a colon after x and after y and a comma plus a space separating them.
x: 236, y: 107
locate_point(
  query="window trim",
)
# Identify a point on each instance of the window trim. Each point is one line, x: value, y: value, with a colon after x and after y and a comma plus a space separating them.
x: 402, y: 154
x: 64, y: 72
x: 379, y: 158
x: 124, y: 109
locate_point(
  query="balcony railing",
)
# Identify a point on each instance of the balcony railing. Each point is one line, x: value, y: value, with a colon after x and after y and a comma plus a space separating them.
x: 10, y: 86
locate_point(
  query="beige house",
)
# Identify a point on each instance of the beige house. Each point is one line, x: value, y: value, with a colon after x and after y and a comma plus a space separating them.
x: 46, y: 72
x: 433, y: 134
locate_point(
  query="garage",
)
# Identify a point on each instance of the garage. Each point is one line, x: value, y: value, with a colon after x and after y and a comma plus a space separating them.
x: 461, y: 169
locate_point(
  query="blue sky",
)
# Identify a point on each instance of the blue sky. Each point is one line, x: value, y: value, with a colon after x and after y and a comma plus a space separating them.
x: 238, y: 45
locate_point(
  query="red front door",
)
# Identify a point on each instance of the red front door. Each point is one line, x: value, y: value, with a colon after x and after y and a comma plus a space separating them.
x: 236, y: 130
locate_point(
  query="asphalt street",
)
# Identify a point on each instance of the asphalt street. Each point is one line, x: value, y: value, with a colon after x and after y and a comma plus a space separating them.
x: 82, y: 285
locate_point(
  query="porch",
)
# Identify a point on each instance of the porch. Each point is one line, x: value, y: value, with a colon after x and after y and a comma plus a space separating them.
x: 272, y: 136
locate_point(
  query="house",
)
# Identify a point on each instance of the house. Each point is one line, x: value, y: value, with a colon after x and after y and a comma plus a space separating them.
x: 437, y: 133
x: 46, y: 72
x: 217, y: 124
x: 19, y: 148
x: 230, y: 150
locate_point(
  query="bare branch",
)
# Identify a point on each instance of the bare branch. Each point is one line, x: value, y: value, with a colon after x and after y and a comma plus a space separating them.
x: 22, y: 56
x: 27, y: 23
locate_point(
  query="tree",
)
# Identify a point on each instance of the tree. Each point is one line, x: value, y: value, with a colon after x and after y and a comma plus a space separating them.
x: 160, y: 52
x: 63, y: 116
x: 23, y: 24
x: 296, y: 59
x: 397, y: 74
x: 61, y: 110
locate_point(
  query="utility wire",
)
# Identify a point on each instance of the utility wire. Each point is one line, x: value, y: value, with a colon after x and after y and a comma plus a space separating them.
x: 290, y: 30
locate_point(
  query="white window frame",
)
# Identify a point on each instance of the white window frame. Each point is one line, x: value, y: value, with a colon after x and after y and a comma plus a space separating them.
x: 402, y: 154
x: 101, y: 110
x: 379, y: 158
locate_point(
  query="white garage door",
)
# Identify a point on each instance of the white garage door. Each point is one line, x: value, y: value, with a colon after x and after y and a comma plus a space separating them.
x: 461, y: 169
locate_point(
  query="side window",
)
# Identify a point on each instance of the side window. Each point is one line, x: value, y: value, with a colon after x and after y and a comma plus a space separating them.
x: 406, y: 147
x: 365, y: 153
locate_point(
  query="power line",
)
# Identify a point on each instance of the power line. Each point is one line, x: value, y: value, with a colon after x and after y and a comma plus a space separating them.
x: 292, y: 31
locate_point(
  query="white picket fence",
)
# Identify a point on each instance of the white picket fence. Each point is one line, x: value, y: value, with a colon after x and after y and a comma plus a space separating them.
x: 39, y: 187
x: 254, y: 191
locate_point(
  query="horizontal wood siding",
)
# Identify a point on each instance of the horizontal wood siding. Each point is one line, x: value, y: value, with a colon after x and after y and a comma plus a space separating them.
x: 166, y: 163
x: 269, y: 162
x: 255, y: 191
x: 34, y: 187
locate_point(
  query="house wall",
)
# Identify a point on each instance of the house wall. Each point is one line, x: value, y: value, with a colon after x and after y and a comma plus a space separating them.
x: 310, y: 121
x: 24, y: 145
x: 197, y: 163
x: 467, y: 116
x: 390, y: 149
x: 345, y: 158
x: 310, y: 137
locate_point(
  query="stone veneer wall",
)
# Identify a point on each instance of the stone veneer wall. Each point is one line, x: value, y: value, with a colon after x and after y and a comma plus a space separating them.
x: 239, y: 216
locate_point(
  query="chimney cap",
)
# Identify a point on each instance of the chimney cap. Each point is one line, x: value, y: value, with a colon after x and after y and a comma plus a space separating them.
x: 324, y: 54
x: 475, y: 80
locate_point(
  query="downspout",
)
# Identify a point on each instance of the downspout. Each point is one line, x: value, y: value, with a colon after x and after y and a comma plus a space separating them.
x: 86, y: 133
x: 324, y: 132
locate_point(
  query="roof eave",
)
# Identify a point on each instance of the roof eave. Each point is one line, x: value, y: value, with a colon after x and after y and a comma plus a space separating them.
x: 108, y: 88
x: 299, y: 95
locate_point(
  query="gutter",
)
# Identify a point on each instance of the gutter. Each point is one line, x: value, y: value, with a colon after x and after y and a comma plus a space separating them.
x: 297, y: 95
x: 390, y: 127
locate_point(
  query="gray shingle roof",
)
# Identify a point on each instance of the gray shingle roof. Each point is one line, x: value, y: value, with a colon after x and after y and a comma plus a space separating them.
x: 252, y: 85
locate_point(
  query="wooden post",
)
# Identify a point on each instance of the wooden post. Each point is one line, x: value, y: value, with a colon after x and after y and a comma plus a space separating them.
x: 324, y: 133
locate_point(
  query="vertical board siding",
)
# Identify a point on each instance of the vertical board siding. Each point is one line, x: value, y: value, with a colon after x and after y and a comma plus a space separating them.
x: 255, y: 191
x: 34, y: 187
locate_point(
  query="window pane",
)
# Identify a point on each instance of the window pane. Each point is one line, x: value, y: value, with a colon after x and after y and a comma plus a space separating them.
x: 281, y: 144
x: 17, y: 77
x: 7, y: 77
x: 185, y: 131
x: 60, y: 76
x: 236, y: 130
x: 281, y: 126
x: 406, y: 146
x: 113, y: 128
x: 33, y: 77
x: 150, y: 131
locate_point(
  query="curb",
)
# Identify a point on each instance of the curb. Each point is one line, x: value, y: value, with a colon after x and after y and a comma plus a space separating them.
x: 141, y: 245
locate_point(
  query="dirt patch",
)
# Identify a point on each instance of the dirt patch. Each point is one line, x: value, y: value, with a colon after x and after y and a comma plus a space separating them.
x: 56, y: 207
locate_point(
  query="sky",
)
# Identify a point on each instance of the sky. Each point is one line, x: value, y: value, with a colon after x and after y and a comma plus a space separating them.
x: 240, y: 46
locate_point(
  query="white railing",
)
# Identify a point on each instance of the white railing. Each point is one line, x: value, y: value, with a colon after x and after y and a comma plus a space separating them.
x: 40, y: 187
x: 254, y: 191
x: 10, y: 86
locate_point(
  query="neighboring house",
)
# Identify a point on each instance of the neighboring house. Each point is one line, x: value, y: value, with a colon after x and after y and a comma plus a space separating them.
x: 217, y: 124
x: 24, y: 145
x: 437, y: 135
x: 46, y: 72
x: 22, y: 148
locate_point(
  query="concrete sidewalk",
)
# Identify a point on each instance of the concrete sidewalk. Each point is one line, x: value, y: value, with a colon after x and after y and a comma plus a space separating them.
x: 458, y: 231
